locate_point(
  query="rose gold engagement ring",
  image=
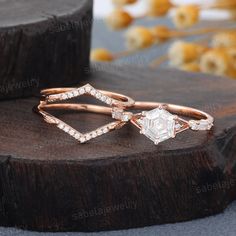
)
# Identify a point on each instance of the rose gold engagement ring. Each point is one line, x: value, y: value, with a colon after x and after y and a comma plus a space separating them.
x: 163, y: 121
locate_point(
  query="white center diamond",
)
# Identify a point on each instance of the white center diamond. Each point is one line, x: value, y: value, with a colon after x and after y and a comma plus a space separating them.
x: 158, y: 125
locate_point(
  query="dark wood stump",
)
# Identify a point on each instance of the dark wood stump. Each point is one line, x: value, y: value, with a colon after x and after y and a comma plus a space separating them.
x: 43, y: 44
x: 120, y: 180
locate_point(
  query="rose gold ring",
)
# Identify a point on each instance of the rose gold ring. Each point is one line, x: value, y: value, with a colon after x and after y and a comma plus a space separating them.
x: 159, y: 124
x: 110, y: 98
x: 117, y: 102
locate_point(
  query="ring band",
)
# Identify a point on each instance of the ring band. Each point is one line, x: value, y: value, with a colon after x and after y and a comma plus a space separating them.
x: 204, y: 122
x: 156, y: 121
x: 81, y: 137
x: 159, y: 124
x: 116, y: 101
x: 107, y: 97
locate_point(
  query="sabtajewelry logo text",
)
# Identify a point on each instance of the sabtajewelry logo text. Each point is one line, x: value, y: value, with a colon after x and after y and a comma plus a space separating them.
x: 103, y: 211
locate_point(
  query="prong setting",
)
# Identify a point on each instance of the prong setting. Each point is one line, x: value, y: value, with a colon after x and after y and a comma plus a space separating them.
x: 158, y: 125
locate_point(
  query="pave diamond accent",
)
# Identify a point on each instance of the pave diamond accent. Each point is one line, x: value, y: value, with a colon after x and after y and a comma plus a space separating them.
x: 158, y: 125
x: 82, y: 138
x: 86, y: 89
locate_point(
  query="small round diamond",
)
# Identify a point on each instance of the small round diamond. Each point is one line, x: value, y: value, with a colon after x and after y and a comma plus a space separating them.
x: 98, y: 95
x: 99, y: 132
x: 75, y: 93
x: 72, y: 132
x: 82, y: 140
x: 61, y: 126
x: 111, y: 126
x: 103, y: 98
x: 70, y: 95
x: 81, y: 91
x: 93, y: 92
x: 77, y: 136
x: 64, y: 97
x: 88, y: 137
x: 125, y: 117
x: 94, y: 134
x: 66, y: 129
x: 178, y: 126
x: 108, y: 101
x: 194, y: 124
x: 105, y: 130
x: 88, y: 89
x: 51, y: 98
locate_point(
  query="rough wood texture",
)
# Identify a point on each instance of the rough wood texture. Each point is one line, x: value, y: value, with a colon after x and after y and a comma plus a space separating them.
x: 48, y: 182
x: 43, y: 44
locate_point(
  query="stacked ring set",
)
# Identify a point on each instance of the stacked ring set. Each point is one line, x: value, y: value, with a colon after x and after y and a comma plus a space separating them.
x: 157, y: 121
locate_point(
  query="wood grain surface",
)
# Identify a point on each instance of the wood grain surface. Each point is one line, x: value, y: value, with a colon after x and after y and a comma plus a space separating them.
x: 43, y: 44
x: 49, y: 182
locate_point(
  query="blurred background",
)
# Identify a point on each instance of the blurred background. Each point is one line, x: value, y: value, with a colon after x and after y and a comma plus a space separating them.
x: 103, y: 7
x: 195, y: 36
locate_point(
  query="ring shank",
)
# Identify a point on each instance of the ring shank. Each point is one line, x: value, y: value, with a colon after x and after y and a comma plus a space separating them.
x: 79, y: 107
x: 177, y: 109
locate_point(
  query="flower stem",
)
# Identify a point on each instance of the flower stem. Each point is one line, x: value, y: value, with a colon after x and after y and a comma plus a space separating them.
x: 158, y: 61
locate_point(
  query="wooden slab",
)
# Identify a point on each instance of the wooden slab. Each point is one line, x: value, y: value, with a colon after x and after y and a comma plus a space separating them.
x: 43, y: 44
x: 48, y: 182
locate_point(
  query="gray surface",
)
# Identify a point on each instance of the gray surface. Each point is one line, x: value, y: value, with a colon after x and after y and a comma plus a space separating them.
x: 220, y: 225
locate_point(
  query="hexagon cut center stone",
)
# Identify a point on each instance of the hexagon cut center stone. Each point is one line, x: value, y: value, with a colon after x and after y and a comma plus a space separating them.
x: 158, y: 125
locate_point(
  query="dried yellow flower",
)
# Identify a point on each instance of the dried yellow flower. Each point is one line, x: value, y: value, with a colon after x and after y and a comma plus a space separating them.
x: 216, y: 61
x: 186, y: 16
x: 232, y: 54
x: 123, y: 2
x: 119, y: 19
x: 191, y: 67
x: 101, y: 54
x: 158, y: 7
x: 160, y: 33
x: 224, y: 40
x: 183, y: 52
x: 232, y: 73
x: 139, y: 38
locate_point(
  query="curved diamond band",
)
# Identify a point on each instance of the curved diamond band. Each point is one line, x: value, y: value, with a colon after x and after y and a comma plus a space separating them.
x: 110, y: 98
x: 116, y: 102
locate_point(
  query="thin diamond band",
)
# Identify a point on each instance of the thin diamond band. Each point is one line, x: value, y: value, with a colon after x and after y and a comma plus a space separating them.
x: 113, y: 100
x: 107, y: 97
